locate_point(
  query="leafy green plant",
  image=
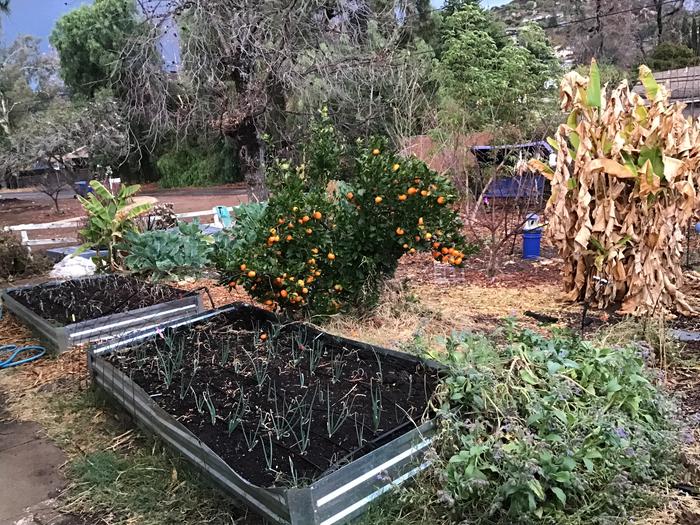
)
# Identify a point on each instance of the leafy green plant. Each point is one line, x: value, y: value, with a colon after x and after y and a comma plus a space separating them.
x: 168, y: 254
x: 549, y: 430
x: 198, y: 166
x: 110, y: 217
x: 336, y: 225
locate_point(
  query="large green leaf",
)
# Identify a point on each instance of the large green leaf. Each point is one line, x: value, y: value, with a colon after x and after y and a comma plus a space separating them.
x: 594, y: 91
x: 648, y: 81
x: 101, y: 191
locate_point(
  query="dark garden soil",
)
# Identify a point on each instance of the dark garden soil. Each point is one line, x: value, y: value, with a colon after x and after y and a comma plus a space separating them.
x: 281, y: 404
x: 86, y: 299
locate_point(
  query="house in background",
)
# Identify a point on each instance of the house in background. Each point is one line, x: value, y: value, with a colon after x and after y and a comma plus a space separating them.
x: 684, y: 85
x: 72, y: 166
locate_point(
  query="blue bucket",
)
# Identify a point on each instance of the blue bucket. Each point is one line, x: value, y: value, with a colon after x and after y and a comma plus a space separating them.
x: 532, y: 243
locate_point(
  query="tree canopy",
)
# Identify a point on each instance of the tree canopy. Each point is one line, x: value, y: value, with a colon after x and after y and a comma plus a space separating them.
x: 90, y: 40
x: 493, y: 78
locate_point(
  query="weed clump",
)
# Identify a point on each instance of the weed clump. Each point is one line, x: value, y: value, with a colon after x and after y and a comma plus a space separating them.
x: 16, y: 261
x: 546, y: 430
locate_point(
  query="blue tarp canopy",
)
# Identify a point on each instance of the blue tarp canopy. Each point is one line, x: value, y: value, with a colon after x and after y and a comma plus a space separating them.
x: 525, y: 186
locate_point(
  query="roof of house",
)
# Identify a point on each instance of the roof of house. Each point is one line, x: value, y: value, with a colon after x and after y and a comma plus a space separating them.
x: 684, y: 83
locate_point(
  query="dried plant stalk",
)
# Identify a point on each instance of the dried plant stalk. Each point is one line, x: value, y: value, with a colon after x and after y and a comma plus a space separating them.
x: 624, y: 187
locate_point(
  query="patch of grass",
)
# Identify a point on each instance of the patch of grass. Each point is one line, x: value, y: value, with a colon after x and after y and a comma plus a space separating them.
x: 149, y: 486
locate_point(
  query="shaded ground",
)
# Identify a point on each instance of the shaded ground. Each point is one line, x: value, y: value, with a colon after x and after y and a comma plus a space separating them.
x: 30, y: 475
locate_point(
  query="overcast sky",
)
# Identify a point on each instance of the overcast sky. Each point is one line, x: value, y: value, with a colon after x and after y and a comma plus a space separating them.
x: 37, y: 17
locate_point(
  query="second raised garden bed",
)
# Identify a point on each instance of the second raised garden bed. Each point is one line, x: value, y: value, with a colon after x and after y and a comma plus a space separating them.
x: 66, y: 313
x: 302, y: 426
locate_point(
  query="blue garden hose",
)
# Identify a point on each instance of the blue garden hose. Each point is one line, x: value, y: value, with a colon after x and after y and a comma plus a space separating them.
x: 15, y: 352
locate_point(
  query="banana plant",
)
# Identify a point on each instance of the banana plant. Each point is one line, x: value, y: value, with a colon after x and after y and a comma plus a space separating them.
x: 110, y: 217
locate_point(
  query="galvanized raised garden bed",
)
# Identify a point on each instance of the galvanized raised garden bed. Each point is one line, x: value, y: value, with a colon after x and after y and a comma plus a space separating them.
x: 334, y: 498
x: 60, y: 337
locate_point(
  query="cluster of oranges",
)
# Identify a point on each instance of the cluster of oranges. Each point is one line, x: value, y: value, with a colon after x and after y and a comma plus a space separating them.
x: 447, y: 255
x: 290, y: 225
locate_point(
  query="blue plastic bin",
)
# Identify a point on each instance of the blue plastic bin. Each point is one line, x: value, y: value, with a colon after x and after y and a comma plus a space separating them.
x: 82, y: 187
x: 532, y: 242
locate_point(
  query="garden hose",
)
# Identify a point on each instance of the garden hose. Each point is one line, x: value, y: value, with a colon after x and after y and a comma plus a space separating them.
x: 15, y: 352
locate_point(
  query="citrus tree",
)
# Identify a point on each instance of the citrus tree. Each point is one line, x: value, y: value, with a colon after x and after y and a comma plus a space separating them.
x: 625, y: 186
x: 337, y: 224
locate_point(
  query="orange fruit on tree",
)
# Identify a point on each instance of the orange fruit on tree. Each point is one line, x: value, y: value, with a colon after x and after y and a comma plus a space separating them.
x: 263, y: 337
x: 441, y: 200
x: 309, y: 231
x: 349, y: 195
x: 405, y: 246
x: 305, y: 218
x: 412, y: 190
x: 317, y: 215
x: 331, y: 256
x: 280, y: 221
x: 420, y: 221
x: 284, y: 293
x: 317, y: 273
x: 305, y: 290
x: 278, y: 281
x: 314, y: 250
x: 376, y: 152
x: 395, y: 167
x: 338, y: 287
x: 252, y: 274
x: 436, y: 245
x: 300, y: 283
x: 412, y: 250
x: 295, y: 209
x: 424, y: 193
x: 400, y: 231
x: 311, y: 261
x: 243, y: 267
x: 402, y: 197
x: 289, y: 238
x: 378, y: 199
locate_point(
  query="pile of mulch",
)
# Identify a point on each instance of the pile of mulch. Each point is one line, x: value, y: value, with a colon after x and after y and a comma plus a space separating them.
x: 220, y: 295
x: 49, y: 369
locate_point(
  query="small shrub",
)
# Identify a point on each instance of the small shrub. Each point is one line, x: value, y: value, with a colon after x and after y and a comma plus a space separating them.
x: 16, y: 261
x: 168, y: 254
x: 197, y: 166
x: 322, y: 244
x: 549, y: 430
x: 109, y: 218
